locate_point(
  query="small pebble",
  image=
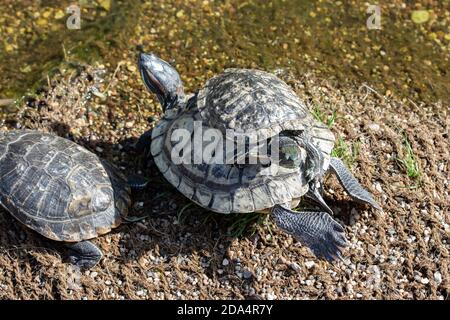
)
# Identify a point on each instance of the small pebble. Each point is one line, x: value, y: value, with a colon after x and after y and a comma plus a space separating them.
x: 140, y: 293
x: 247, y: 274
x: 295, y: 266
x: 131, y: 68
x: 309, y: 282
x: 377, y: 186
x: 372, y: 250
x: 374, y: 127
x: 438, y: 277
x: 180, y: 14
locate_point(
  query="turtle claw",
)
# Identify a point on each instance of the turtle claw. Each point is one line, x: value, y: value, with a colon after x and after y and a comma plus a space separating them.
x: 340, y: 257
x: 315, y: 229
x: 337, y: 227
x: 337, y: 245
x: 331, y: 248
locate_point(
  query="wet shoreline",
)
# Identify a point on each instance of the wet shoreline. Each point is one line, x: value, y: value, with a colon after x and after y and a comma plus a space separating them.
x: 329, y: 39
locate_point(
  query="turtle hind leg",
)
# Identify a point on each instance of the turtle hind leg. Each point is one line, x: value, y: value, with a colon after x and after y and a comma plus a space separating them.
x: 315, y: 229
x: 84, y: 254
x: 351, y: 185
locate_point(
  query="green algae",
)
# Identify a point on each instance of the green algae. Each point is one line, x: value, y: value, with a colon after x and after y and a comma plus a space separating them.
x: 328, y: 38
x: 99, y: 40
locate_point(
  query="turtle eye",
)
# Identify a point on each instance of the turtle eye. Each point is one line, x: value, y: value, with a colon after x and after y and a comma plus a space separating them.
x: 289, y: 157
x: 293, y: 153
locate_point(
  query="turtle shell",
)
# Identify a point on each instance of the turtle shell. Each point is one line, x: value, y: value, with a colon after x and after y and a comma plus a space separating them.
x: 222, y: 188
x: 256, y: 102
x: 247, y: 100
x: 58, y: 188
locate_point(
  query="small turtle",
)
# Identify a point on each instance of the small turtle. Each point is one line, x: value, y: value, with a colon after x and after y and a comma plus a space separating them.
x: 245, y: 100
x: 62, y: 191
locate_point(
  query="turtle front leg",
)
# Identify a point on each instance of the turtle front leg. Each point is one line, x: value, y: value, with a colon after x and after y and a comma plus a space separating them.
x: 144, y: 142
x: 315, y: 229
x: 142, y: 146
x: 84, y: 254
x: 351, y: 185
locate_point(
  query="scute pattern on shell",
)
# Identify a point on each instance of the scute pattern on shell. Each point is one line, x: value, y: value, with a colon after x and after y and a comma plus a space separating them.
x: 251, y: 100
x: 58, y: 188
x: 220, y: 187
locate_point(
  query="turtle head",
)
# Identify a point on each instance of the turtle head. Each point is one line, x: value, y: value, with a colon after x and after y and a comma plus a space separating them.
x: 162, y: 79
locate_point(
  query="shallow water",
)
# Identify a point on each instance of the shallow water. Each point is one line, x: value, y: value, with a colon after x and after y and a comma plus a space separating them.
x: 328, y: 38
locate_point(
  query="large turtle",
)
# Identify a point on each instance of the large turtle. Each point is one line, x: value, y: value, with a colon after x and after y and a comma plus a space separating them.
x: 62, y: 191
x: 244, y: 100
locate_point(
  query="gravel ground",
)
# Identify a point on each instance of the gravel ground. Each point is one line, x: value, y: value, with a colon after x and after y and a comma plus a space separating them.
x: 402, y: 253
x: 374, y: 83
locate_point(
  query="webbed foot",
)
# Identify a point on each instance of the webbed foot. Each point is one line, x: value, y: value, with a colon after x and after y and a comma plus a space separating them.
x: 315, y: 229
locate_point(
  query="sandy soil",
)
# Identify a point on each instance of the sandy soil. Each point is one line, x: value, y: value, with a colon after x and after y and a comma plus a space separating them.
x: 402, y: 253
